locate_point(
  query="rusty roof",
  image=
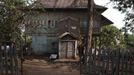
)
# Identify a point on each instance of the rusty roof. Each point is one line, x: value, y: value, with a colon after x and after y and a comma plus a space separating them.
x: 66, y: 3
x: 62, y: 4
x: 57, y: 3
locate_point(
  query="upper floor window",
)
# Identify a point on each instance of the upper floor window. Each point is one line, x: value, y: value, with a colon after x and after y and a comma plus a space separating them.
x: 51, y: 23
x: 83, y: 23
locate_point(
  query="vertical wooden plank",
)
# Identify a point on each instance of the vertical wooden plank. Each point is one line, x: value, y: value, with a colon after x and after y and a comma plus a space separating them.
x: 108, y: 61
x: 126, y: 63
x: 15, y: 62
x: 117, y: 63
x: 99, y: 62
x: 2, y: 64
x: 129, y: 65
x: 6, y: 60
x: 94, y: 56
x: 11, y: 61
x: 0, y: 61
x: 95, y: 52
x: 103, y: 61
x: 122, y: 64
x: 22, y: 60
x: 113, y: 64
x: 132, y: 64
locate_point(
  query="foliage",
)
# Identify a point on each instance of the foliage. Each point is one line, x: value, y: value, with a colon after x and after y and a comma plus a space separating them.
x: 126, y: 6
x: 111, y: 37
x: 10, y: 20
x: 130, y: 40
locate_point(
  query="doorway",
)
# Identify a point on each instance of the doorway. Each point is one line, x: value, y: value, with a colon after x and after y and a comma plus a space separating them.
x: 67, y: 49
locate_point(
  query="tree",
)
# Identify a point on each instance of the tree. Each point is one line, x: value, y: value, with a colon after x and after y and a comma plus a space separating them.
x: 126, y: 6
x: 10, y: 19
x: 111, y: 37
x: 130, y: 40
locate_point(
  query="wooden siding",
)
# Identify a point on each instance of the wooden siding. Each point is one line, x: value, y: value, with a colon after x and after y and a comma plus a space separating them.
x: 38, y: 26
x: 69, y: 24
x: 39, y: 22
x: 44, y: 44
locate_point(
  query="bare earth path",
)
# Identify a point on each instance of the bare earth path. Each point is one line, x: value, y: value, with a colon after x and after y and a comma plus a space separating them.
x: 42, y: 67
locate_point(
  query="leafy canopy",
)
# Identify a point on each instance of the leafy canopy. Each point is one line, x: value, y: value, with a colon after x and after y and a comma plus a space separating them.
x: 111, y: 37
x: 10, y: 19
x: 126, y: 6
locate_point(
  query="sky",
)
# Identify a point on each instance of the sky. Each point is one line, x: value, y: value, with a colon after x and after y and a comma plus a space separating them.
x: 112, y: 14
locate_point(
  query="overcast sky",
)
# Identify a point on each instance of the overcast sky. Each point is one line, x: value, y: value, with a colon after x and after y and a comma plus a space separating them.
x: 112, y: 14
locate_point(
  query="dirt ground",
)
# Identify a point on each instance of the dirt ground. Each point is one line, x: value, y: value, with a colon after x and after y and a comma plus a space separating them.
x: 43, y: 67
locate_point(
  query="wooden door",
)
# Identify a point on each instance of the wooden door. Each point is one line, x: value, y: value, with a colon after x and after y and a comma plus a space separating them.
x: 67, y: 49
x: 63, y: 51
x: 71, y: 49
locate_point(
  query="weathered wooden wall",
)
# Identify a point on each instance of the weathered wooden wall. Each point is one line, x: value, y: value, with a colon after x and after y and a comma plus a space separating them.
x: 43, y: 27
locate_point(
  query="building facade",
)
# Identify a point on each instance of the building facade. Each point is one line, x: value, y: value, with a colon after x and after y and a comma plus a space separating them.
x: 56, y: 26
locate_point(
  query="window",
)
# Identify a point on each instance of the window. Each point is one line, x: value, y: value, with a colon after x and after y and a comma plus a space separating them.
x: 43, y: 22
x: 51, y: 23
x: 83, y: 25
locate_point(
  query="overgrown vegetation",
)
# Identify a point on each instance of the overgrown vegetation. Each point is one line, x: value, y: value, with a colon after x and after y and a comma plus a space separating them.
x: 130, y: 40
x: 11, y: 18
x: 111, y: 37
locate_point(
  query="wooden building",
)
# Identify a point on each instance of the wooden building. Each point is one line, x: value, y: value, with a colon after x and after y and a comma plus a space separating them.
x: 57, y: 25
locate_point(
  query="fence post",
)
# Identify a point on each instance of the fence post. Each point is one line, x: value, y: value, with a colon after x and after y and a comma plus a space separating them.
x: 1, y: 60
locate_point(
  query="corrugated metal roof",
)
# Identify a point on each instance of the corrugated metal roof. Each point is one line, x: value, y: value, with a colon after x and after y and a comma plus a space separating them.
x: 63, y: 3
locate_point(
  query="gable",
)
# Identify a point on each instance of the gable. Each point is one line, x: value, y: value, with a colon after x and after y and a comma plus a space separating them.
x: 68, y: 24
x: 69, y: 36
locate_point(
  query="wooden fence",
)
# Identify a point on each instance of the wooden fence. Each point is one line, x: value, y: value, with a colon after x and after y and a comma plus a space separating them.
x: 9, y: 61
x: 108, y: 62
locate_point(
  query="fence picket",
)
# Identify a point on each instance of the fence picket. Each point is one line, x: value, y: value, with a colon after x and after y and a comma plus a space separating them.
x: 112, y: 62
x: 131, y: 65
x: 0, y: 62
x: 8, y: 62
x: 108, y: 61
